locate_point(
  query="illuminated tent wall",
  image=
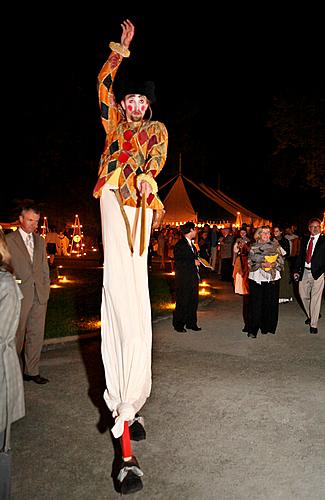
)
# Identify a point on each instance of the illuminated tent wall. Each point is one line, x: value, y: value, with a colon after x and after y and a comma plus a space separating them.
x: 178, y: 205
x: 240, y: 213
x: 179, y: 208
x: 10, y: 225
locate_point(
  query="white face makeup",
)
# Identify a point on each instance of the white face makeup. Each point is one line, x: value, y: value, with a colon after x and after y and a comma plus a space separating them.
x: 135, y: 106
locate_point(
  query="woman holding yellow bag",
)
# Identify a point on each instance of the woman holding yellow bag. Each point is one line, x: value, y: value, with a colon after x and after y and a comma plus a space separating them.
x: 265, y: 262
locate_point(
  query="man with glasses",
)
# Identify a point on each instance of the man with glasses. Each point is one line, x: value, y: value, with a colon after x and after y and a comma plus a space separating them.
x: 309, y: 271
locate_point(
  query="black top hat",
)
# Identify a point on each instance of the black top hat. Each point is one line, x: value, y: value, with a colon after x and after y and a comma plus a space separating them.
x: 142, y: 87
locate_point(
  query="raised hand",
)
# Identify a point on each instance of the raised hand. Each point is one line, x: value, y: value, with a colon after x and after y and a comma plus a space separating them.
x: 127, y: 33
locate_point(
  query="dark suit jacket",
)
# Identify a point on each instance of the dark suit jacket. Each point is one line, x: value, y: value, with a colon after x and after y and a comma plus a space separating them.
x: 186, y: 273
x: 317, y: 260
x: 30, y: 273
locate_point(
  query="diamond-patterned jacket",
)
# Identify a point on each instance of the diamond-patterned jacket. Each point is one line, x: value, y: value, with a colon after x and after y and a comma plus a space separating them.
x: 131, y: 149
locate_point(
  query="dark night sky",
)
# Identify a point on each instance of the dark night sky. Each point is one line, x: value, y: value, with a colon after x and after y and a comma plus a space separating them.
x: 215, y: 78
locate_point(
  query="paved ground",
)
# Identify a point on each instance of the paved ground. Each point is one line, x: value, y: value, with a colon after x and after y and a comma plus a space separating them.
x: 229, y: 418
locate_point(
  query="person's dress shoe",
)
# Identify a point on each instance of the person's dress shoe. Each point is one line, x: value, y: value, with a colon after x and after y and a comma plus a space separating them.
x: 245, y: 329
x: 137, y: 430
x: 35, y: 378
x: 194, y: 328
x: 180, y: 330
x: 129, y: 477
x: 313, y: 330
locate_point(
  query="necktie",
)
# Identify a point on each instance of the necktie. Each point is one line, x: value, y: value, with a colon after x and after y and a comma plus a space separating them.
x: 309, y: 250
x: 193, y: 248
x: 30, y: 245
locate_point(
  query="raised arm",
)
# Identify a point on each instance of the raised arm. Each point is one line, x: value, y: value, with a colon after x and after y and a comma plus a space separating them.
x: 109, y: 111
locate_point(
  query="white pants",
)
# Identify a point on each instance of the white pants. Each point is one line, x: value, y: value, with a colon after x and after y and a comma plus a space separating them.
x: 311, y: 292
x: 125, y: 313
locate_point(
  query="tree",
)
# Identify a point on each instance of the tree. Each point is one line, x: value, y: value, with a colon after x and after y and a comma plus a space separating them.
x: 298, y: 128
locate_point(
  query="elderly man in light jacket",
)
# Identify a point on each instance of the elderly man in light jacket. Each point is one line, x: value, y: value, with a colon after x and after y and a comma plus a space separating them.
x: 12, y: 403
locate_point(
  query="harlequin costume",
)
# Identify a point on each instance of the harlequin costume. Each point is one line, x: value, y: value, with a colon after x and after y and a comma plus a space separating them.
x: 133, y: 152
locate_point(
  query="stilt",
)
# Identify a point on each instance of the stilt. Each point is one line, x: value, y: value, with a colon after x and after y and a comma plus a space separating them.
x: 126, y: 443
x: 130, y: 473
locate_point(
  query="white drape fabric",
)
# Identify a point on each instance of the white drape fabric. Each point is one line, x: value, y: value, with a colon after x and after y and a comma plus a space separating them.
x: 125, y: 313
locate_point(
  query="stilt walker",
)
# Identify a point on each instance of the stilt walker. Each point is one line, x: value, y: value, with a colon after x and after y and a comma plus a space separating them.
x: 135, y: 152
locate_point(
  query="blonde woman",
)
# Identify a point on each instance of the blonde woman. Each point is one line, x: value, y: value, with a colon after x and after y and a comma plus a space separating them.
x: 265, y: 262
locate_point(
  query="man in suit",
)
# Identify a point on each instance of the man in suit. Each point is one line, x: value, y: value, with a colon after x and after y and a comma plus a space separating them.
x: 186, y: 281
x: 309, y: 271
x: 31, y: 269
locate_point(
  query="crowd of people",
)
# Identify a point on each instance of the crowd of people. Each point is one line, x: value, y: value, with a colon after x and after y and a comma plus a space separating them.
x: 218, y: 246
x: 264, y: 264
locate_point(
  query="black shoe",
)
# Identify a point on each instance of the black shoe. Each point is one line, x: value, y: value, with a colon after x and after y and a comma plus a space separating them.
x: 129, y: 477
x: 137, y: 431
x: 313, y: 330
x: 180, y: 330
x: 264, y: 333
x: 251, y: 335
x: 35, y: 378
x: 245, y: 329
x: 194, y: 328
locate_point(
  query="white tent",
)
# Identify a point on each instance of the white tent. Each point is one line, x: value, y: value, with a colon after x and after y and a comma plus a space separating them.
x: 178, y: 205
x: 179, y: 208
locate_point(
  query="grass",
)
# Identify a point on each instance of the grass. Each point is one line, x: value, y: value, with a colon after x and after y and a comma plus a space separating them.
x: 74, y: 307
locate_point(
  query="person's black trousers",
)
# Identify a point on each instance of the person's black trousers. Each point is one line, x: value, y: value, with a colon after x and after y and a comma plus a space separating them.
x: 263, y: 306
x: 226, y: 269
x: 187, y: 301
